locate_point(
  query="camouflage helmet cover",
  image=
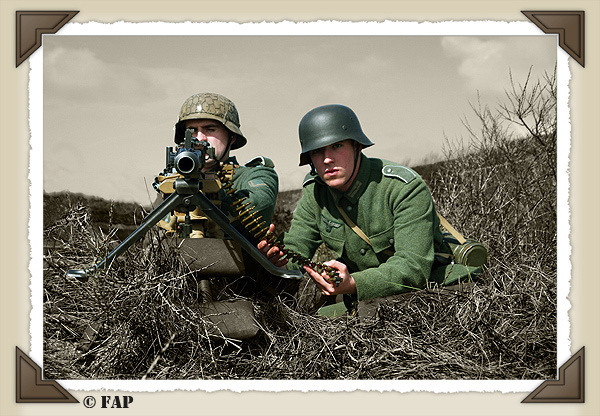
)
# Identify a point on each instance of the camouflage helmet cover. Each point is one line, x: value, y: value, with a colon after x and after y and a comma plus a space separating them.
x: 211, y: 106
x: 326, y: 125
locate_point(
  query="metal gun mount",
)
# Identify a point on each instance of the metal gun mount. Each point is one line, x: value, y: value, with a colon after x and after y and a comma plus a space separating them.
x: 187, y: 196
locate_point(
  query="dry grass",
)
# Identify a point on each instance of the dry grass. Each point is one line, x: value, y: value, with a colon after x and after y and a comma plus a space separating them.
x: 148, y: 327
x: 497, y: 189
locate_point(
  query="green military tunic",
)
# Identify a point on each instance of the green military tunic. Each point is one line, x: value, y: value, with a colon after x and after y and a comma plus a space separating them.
x: 258, y: 182
x: 393, y: 207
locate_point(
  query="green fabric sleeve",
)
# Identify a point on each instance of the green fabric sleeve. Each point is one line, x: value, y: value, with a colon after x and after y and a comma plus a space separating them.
x: 303, y: 236
x: 260, y: 186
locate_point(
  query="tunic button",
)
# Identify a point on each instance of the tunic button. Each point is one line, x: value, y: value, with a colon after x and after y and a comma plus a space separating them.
x: 349, y: 208
x: 362, y: 251
x: 391, y: 241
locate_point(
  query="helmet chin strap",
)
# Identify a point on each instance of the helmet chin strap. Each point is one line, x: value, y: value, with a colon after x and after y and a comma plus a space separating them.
x: 357, y: 148
x: 227, y: 148
x: 226, y: 151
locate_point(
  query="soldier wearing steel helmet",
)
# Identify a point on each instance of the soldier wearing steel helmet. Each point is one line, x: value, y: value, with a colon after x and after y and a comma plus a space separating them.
x: 215, y: 119
x: 346, y: 194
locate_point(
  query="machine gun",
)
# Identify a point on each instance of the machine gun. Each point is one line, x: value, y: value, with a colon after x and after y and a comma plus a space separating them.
x: 188, y: 194
x: 189, y: 191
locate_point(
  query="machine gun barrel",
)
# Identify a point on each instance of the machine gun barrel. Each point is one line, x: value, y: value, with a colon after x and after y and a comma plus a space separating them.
x: 188, y: 162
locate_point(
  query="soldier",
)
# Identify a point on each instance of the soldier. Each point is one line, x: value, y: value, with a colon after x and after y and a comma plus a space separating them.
x: 376, y: 216
x: 244, y: 193
x: 214, y: 119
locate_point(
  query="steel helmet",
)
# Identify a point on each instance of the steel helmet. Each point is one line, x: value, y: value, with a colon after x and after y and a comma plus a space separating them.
x: 327, y: 125
x: 212, y: 106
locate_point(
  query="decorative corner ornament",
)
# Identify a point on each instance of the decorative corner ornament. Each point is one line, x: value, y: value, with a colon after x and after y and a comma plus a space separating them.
x: 568, y: 25
x: 570, y: 386
x: 31, y: 25
x: 31, y: 388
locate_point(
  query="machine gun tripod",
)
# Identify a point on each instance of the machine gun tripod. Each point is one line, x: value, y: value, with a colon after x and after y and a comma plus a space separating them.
x: 188, y: 194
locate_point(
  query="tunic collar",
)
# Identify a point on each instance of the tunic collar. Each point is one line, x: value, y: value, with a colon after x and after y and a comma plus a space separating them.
x: 359, y: 185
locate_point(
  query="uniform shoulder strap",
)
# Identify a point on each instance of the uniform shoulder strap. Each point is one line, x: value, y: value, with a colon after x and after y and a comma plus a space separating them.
x: 260, y: 161
x: 403, y: 173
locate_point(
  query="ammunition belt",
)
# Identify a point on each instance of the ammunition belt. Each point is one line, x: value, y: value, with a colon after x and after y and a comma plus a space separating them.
x: 253, y: 222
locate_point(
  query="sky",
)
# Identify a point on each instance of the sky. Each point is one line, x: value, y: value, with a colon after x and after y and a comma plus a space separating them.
x: 110, y: 102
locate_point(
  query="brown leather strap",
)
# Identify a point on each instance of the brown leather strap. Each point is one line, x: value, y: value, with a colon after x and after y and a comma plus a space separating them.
x: 459, y: 237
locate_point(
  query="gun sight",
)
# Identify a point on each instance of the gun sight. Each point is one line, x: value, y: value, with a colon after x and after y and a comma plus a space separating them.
x: 189, y: 158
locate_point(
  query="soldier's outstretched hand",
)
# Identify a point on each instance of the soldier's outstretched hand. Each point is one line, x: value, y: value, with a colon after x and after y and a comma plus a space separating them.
x: 271, y: 252
x: 347, y: 285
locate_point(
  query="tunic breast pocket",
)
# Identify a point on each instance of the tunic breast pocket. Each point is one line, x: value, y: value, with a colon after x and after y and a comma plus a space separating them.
x: 383, y: 242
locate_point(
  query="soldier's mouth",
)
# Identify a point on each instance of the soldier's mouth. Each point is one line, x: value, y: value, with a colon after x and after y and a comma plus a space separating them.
x: 331, y: 172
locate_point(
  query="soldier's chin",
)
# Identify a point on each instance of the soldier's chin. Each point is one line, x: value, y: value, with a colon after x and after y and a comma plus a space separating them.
x: 209, y: 164
x: 334, y: 183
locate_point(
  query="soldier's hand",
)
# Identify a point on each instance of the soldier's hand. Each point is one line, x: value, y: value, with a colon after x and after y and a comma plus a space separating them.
x: 347, y: 285
x: 271, y: 252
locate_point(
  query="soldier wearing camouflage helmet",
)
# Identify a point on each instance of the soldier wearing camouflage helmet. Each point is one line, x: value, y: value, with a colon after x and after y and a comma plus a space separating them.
x: 215, y: 112
x: 215, y: 119
x: 377, y: 216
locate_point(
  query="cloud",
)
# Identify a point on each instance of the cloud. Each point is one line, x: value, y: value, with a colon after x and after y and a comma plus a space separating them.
x: 63, y: 68
x: 485, y: 62
x: 81, y: 74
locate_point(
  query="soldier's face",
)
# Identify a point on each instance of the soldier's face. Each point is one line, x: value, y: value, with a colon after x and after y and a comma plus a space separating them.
x: 213, y: 132
x: 335, y: 164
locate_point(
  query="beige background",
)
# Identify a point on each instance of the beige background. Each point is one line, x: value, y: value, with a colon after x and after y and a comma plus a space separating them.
x: 585, y: 134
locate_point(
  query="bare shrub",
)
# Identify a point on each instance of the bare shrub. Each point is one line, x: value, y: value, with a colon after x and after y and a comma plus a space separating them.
x: 501, y: 187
